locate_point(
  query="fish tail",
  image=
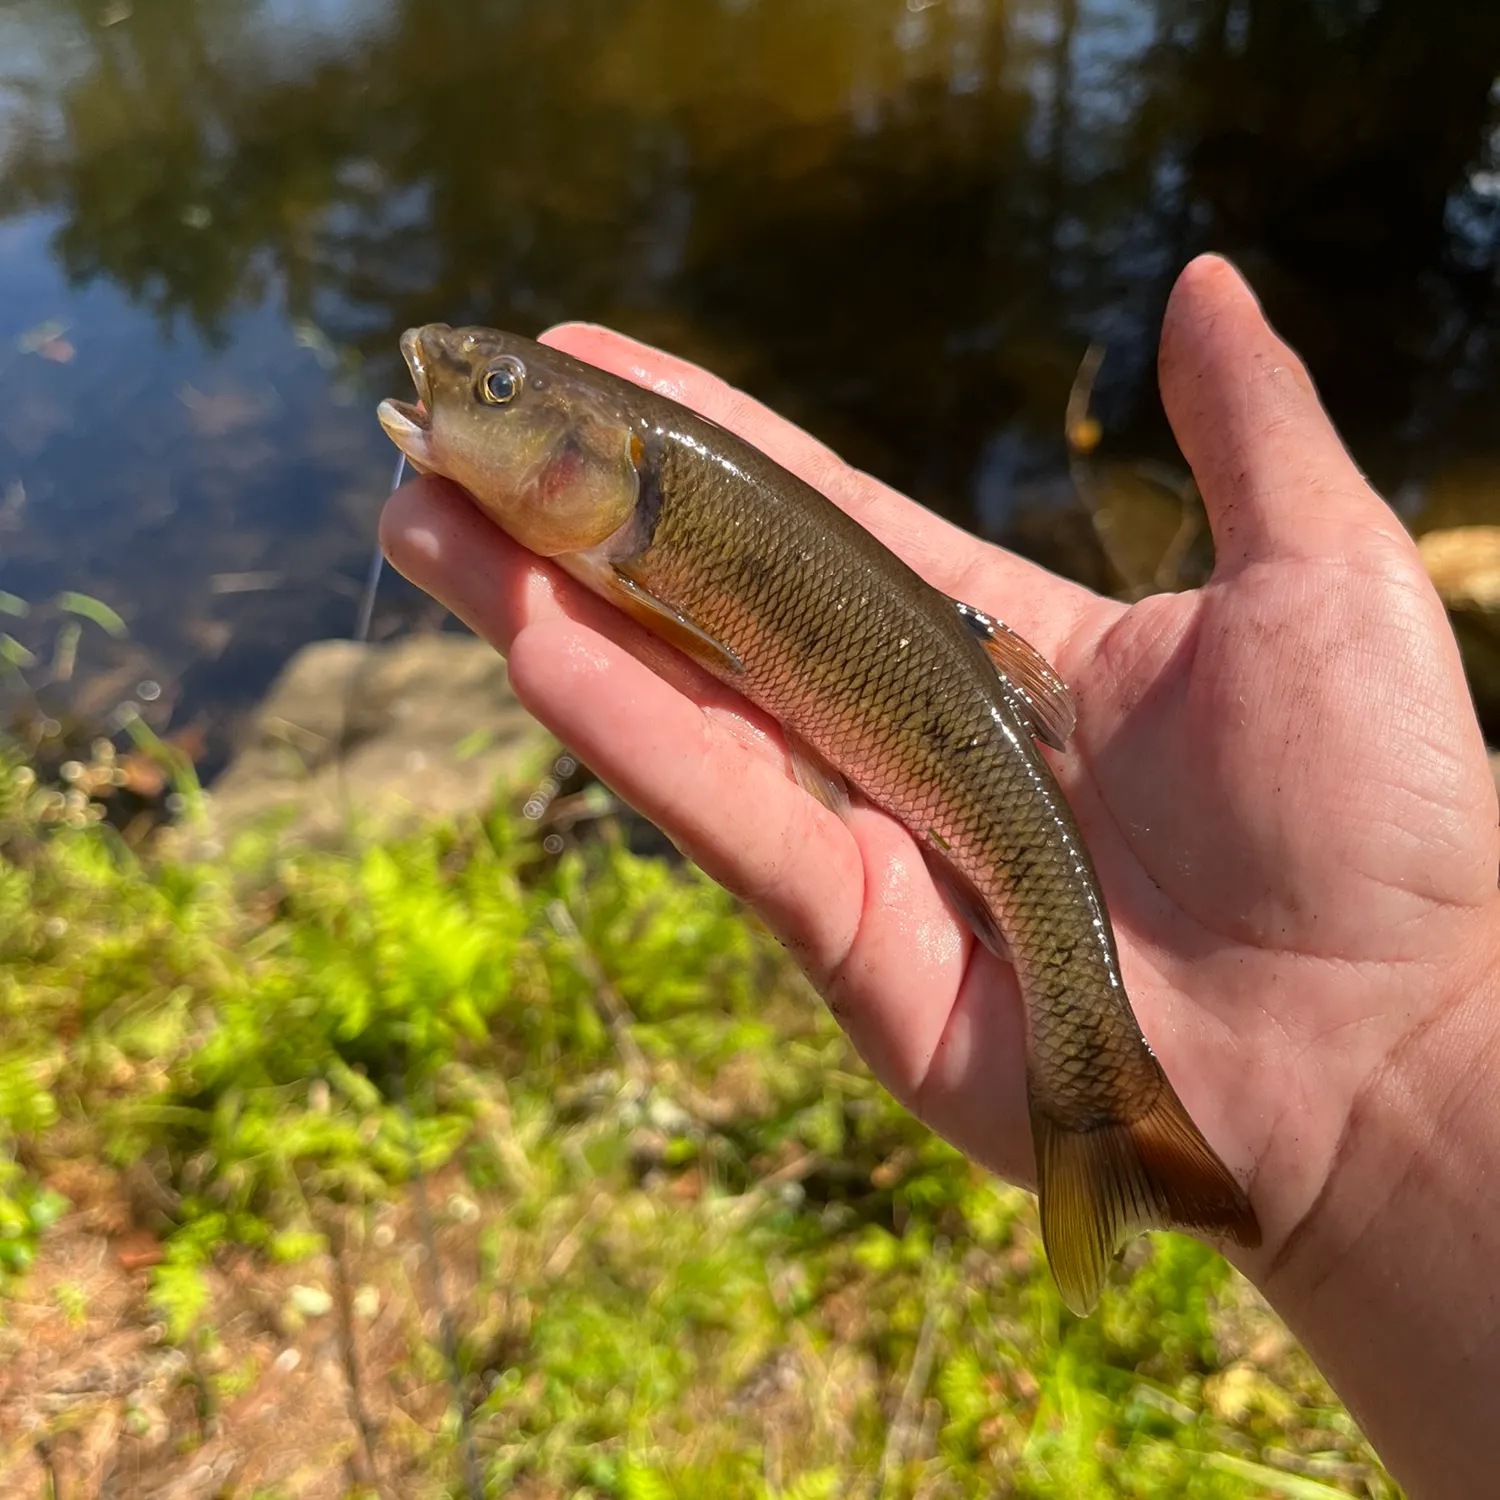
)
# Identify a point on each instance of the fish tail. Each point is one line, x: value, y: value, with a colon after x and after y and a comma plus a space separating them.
x: 1098, y: 1187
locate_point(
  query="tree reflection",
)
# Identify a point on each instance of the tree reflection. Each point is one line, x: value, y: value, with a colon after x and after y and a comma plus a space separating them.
x: 899, y: 222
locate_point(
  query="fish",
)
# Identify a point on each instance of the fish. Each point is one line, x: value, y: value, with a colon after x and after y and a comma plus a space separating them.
x: 928, y: 707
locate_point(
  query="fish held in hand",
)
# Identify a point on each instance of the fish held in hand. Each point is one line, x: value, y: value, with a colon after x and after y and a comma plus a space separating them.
x: 929, y: 707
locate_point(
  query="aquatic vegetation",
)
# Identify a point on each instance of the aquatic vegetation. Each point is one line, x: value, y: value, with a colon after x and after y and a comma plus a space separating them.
x: 688, y: 1246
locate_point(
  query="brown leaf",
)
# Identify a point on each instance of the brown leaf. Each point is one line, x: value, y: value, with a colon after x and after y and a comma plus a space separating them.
x: 138, y: 1250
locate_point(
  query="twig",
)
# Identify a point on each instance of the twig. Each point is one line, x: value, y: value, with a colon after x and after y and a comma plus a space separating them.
x: 898, y: 1438
x: 364, y: 1469
x: 580, y: 807
x: 612, y: 1009
x: 703, y: 1107
x: 495, y: 1112
x: 1079, y: 427
x: 561, y: 1256
x: 1081, y: 431
x: 1169, y: 569
x: 473, y: 1476
x: 796, y: 1170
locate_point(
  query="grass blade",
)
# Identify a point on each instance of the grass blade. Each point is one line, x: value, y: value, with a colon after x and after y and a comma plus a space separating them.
x: 93, y: 609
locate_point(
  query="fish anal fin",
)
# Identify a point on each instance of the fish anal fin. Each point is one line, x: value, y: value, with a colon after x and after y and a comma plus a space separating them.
x: 1099, y: 1187
x: 970, y: 905
x: 815, y: 776
x: 670, y: 624
x: 1039, y: 692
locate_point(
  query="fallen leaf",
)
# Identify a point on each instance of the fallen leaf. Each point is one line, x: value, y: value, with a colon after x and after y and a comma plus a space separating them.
x: 142, y: 775
x: 138, y: 1251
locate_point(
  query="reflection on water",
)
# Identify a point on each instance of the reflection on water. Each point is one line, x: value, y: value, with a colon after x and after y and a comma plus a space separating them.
x: 900, y: 221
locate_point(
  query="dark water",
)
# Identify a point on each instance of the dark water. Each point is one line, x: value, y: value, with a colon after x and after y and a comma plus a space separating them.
x: 899, y: 221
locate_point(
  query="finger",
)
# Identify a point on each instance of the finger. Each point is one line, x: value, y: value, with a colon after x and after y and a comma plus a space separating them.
x: 672, y: 748
x: 704, y: 766
x: 679, y: 746
x: 439, y: 540
x: 725, y: 798
x: 1039, y: 604
x: 435, y: 536
x: 852, y: 899
x: 1276, y: 480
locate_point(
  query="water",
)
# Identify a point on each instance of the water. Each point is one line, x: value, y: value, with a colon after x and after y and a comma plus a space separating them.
x: 901, y: 222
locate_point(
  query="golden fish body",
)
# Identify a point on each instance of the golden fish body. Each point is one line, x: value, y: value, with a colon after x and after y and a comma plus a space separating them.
x: 925, y: 705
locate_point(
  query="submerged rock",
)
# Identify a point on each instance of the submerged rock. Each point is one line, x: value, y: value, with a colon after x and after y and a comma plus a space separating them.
x: 387, y: 735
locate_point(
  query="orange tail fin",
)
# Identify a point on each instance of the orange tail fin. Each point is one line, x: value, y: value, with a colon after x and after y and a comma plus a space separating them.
x: 1099, y: 1187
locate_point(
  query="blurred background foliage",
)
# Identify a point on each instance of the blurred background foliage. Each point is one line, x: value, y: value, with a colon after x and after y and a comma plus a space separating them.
x: 687, y: 1246
x: 899, y: 223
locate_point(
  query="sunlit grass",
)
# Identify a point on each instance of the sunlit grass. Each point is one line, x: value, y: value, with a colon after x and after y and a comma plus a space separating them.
x: 710, y: 1256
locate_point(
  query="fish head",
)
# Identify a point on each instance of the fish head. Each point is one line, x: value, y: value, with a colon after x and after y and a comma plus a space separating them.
x: 523, y: 429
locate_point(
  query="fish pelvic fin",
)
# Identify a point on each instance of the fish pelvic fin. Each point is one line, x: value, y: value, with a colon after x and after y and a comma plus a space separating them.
x: 670, y: 624
x: 815, y: 776
x: 1099, y: 1187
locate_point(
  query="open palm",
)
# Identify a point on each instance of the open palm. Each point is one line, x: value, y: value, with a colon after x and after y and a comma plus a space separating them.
x: 1280, y: 774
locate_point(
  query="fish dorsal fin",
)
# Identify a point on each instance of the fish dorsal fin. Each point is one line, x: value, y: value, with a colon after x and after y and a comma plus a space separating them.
x: 671, y: 624
x: 1040, y: 694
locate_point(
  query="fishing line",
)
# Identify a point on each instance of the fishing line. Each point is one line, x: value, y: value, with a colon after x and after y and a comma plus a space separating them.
x: 377, y: 563
x: 473, y: 1473
x: 361, y: 636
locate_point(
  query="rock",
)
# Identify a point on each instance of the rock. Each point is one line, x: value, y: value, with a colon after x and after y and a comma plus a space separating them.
x: 396, y: 733
x: 311, y: 1301
x: 462, y: 1209
x: 1464, y: 565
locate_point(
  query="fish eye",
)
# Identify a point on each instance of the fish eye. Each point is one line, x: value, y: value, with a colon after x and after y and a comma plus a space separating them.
x: 500, y: 381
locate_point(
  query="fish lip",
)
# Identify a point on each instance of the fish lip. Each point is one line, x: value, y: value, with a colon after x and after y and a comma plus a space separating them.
x: 414, y: 353
x: 408, y: 424
x: 404, y: 417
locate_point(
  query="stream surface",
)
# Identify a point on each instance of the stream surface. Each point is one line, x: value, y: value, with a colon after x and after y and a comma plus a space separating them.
x: 901, y: 222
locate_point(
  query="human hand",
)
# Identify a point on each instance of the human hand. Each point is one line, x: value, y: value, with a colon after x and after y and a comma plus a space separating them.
x: 1279, y: 775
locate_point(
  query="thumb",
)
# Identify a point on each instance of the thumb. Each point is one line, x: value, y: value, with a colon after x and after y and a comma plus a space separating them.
x: 1277, y: 482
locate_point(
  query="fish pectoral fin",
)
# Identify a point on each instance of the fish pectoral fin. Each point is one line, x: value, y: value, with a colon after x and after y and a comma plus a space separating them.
x: 815, y: 776
x: 671, y: 624
x: 1039, y: 692
x: 1098, y: 1187
x: 970, y: 905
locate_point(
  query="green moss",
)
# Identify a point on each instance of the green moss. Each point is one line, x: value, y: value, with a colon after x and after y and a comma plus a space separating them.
x: 713, y: 1257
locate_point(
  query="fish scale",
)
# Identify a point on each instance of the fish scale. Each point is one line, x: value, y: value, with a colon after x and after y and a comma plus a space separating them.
x: 702, y: 537
x: 900, y: 724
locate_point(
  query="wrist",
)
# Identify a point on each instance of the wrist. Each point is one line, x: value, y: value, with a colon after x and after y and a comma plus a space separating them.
x: 1390, y: 1277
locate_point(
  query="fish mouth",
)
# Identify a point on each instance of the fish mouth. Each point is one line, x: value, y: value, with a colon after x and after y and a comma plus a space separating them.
x: 408, y: 424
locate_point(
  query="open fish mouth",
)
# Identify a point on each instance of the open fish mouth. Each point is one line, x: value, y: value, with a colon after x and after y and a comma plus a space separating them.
x: 408, y: 424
